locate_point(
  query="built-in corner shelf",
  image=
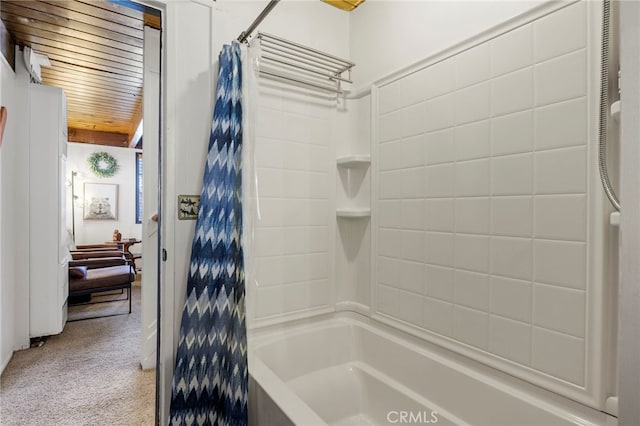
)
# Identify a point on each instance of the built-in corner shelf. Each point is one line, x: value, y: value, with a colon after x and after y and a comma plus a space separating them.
x: 352, y: 170
x: 353, y: 212
x: 615, y: 110
x: 351, y: 161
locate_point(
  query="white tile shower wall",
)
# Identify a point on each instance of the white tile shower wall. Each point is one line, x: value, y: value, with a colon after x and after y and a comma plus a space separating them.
x: 482, y: 196
x: 294, y: 160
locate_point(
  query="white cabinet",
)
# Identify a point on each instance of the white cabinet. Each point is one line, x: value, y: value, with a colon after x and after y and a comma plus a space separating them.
x: 48, y: 254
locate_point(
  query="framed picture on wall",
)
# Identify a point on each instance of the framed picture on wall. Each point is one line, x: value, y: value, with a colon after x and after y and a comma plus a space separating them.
x: 100, y: 201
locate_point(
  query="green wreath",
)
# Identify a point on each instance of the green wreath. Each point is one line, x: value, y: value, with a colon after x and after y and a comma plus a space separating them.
x: 103, y: 164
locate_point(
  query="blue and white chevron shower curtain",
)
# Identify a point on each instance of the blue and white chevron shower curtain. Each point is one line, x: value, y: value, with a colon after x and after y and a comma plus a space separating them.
x: 210, y: 379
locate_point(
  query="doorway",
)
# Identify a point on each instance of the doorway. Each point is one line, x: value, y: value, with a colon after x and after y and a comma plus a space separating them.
x: 41, y: 25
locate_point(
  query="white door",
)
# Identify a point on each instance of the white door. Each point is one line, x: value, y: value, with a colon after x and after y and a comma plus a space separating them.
x: 151, y: 140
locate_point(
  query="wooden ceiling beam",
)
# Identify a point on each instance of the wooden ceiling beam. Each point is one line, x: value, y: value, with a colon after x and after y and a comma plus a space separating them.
x: 113, y: 70
x: 106, y: 79
x: 99, y: 127
x: 93, y: 112
x: 105, y: 116
x: 153, y: 21
x: 89, y: 55
x: 78, y: 57
x: 16, y: 13
x: 91, y: 71
x: 55, y: 79
x: 124, y: 93
x: 69, y: 71
x: 70, y: 43
x: 103, y: 97
x: 102, y: 130
x: 103, y: 122
x: 95, y: 35
x: 41, y: 44
x: 96, y: 137
x: 91, y: 61
x: 96, y: 104
x: 95, y: 14
x: 90, y: 110
x: 80, y: 88
x: 99, y: 19
x: 66, y: 72
x: 115, y: 130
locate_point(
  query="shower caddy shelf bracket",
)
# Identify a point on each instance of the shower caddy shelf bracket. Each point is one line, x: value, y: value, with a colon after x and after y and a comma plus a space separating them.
x: 352, y: 161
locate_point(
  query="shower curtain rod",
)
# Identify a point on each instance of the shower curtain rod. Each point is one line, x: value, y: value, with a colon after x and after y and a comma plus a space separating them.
x: 242, y: 38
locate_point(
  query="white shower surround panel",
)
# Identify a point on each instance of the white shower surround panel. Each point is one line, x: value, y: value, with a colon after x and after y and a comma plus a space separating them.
x: 295, y: 168
x: 488, y: 224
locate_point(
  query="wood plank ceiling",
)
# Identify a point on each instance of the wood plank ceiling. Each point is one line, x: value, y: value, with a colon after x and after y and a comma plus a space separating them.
x: 95, y: 49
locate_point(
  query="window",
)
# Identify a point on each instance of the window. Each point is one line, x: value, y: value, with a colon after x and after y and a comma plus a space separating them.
x: 138, y: 187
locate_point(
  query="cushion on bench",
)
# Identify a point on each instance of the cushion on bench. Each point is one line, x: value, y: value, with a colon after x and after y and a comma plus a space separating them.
x: 103, y: 277
x: 77, y: 271
x: 99, y: 262
x: 79, y: 255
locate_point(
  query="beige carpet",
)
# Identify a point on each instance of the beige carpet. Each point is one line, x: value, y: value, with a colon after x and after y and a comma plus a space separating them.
x: 88, y: 375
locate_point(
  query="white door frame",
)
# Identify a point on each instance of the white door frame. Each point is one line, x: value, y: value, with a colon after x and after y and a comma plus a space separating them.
x: 151, y: 132
x: 188, y: 60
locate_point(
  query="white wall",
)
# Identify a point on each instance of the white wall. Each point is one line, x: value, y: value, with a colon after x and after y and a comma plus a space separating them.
x: 98, y: 231
x: 310, y: 23
x: 389, y: 35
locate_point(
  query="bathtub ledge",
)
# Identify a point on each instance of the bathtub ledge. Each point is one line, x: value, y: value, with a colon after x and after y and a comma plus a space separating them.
x: 356, y: 307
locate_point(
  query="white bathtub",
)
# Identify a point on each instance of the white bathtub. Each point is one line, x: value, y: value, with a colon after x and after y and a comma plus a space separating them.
x: 348, y: 370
